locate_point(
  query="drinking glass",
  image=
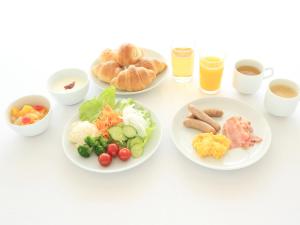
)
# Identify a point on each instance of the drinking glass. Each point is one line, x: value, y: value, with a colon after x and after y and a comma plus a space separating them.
x: 211, y: 71
x: 182, y: 61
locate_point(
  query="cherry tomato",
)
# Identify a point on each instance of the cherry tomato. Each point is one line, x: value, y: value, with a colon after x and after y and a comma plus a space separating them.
x: 124, y: 154
x: 38, y: 107
x: 113, y: 149
x: 26, y: 120
x: 104, y: 159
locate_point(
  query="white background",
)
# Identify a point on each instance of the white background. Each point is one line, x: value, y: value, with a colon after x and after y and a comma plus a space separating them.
x: 40, y: 186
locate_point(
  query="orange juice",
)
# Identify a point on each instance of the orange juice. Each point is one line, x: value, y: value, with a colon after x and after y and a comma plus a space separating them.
x: 183, y: 62
x: 211, y: 70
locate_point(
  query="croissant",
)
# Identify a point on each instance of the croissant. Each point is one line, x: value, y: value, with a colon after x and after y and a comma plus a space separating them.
x: 126, y: 69
x: 107, y: 55
x: 152, y: 64
x: 133, y: 78
x: 128, y: 54
x: 106, y: 71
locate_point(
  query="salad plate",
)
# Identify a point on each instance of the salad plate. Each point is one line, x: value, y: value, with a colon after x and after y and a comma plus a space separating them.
x: 147, y: 53
x: 235, y: 158
x: 91, y: 163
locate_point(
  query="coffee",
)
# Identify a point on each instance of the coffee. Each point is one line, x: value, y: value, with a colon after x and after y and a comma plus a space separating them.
x: 248, y: 70
x: 283, y: 90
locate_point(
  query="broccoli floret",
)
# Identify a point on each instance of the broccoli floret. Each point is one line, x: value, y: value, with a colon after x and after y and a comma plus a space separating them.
x: 90, y: 141
x: 110, y: 140
x: 84, y: 150
x: 98, y: 149
x: 102, y: 141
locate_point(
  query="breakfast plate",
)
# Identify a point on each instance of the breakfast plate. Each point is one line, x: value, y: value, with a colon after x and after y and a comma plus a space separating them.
x: 141, y: 147
x: 91, y: 164
x: 147, y: 53
x: 236, y: 158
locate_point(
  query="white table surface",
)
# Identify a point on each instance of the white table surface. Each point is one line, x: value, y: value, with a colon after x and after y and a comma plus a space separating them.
x: 39, y: 185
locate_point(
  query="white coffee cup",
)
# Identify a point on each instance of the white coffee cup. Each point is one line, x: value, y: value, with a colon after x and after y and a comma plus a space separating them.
x: 281, y: 106
x: 249, y: 84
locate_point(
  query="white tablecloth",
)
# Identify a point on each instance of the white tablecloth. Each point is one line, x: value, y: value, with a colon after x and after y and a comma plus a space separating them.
x: 39, y: 185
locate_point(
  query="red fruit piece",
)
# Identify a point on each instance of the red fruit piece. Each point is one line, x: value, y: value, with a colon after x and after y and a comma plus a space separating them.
x: 26, y: 120
x: 38, y: 107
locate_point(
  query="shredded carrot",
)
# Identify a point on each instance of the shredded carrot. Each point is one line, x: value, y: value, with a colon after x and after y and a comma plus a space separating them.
x: 107, y: 119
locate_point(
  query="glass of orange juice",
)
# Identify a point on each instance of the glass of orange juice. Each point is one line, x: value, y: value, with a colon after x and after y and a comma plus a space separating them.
x: 211, y: 71
x: 182, y: 62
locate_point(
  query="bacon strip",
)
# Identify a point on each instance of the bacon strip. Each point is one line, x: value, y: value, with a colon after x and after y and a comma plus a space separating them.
x: 240, y: 132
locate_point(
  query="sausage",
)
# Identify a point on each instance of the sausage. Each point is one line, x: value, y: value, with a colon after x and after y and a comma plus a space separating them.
x: 199, y: 125
x: 209, y: 112
x: 213, y: 112
x: 204, y: 117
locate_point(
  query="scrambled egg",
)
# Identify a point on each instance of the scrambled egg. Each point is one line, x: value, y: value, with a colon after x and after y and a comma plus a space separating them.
x: 209, y: 144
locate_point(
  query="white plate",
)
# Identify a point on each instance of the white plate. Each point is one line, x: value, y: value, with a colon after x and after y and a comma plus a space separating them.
x: 147, y: 53
x: 236, y: 158
x: 91, y: 163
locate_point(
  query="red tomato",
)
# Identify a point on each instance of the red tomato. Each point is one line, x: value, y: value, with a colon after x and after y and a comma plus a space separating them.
x: 124, y: 154
x: 38, y: 107
x: 113, y: 149
x: 104, y: 159
x: 26, y: 120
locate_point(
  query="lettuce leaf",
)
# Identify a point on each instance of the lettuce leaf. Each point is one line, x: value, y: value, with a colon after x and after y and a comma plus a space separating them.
x: 149, y: 129
x: 124, y: 103
x: 90, y: 109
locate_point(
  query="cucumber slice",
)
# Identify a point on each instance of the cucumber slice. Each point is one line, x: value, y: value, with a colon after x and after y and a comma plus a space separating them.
x: 134, y: 141
x: 116, y: 134
x: 137, y: 150
x: 129, y: 131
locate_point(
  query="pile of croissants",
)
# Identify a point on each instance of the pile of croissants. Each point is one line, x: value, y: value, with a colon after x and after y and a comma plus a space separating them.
x: 126, y: 68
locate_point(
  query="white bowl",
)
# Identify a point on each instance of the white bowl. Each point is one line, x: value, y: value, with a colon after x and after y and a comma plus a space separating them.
x: 31, y: 129
x: 71, y: 96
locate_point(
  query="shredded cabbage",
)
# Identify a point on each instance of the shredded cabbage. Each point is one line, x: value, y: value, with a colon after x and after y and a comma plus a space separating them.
x: 133, y: 117
x: 137, y: 116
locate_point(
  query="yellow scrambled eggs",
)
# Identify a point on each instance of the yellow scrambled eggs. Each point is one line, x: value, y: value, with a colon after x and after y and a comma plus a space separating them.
x: 209, y: 144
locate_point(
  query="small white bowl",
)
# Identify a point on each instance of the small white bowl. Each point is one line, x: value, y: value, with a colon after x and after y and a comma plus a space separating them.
x: 31, y: 129
x: 70, y: 96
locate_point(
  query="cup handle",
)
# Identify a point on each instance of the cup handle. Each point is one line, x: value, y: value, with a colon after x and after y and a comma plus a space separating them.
x: 270, y: 72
